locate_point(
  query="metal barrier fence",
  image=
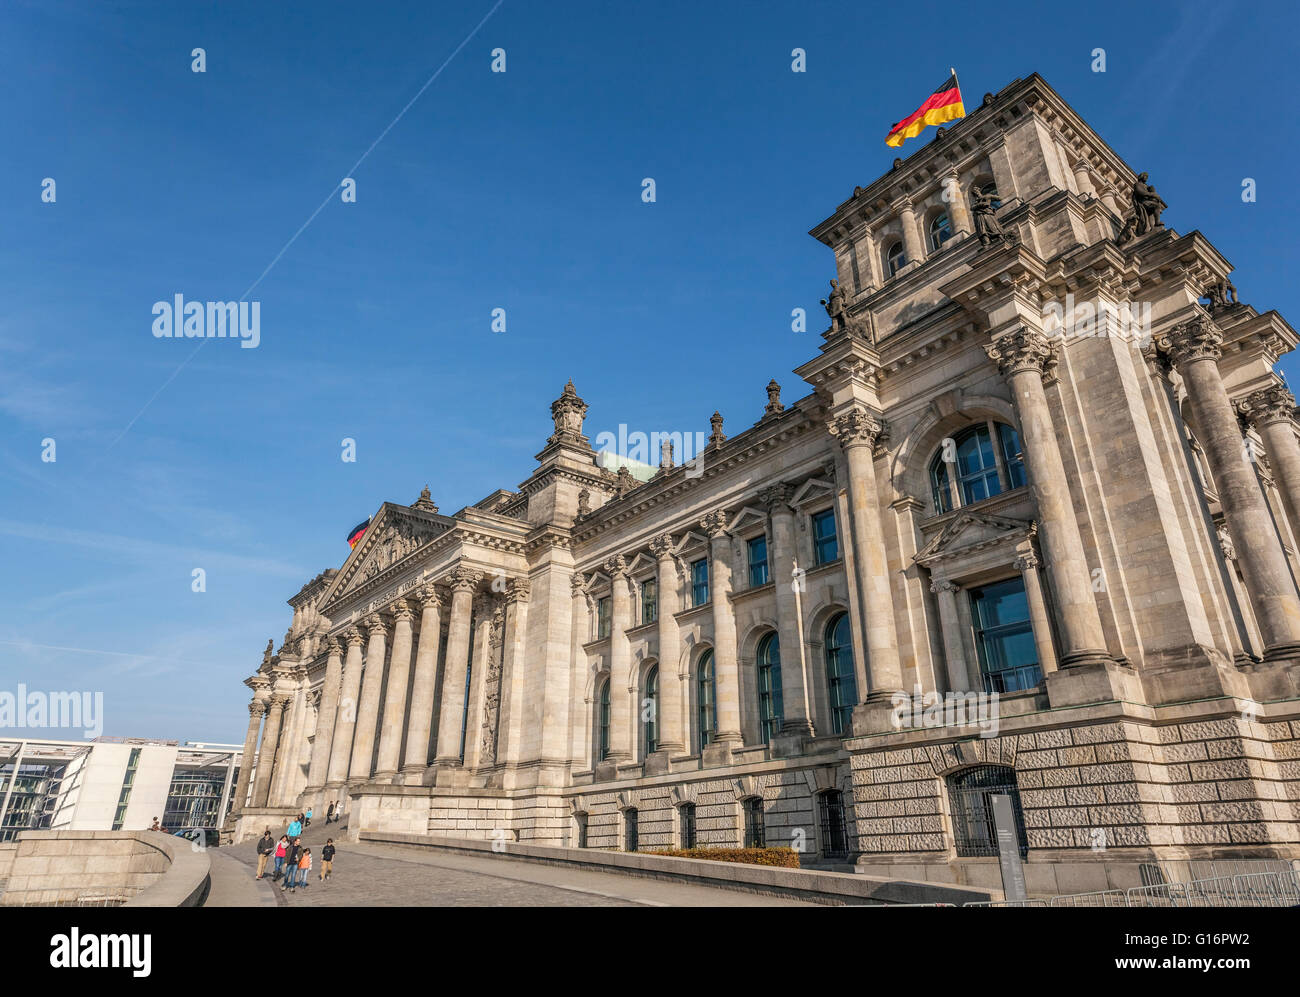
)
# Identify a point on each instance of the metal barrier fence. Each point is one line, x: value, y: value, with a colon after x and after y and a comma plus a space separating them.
x: 1278, y: 888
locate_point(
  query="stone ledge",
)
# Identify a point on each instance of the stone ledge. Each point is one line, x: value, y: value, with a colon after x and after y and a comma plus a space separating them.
x: 834, y: 888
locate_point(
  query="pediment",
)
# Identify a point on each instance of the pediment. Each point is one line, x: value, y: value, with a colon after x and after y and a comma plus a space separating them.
x: 970, y: 531
x: 812, y: 490
x: 746, y: 518
x: 394, y: 534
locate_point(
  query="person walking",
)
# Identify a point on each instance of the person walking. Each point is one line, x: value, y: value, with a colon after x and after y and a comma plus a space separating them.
x: 265, y: 846
x: 295, y: 828
x: 292, y: 856
x: 280, y: 849
x: 304, y: 868
x: 329, y: 813
x: 307, y: 818
x: 327, y: 860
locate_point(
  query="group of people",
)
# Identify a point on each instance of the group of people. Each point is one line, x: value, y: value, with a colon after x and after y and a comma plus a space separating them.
x: 335, y: 812
x: 292, y: 859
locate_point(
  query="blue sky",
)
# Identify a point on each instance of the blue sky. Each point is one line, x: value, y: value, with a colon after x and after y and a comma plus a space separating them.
x: 520, y: 191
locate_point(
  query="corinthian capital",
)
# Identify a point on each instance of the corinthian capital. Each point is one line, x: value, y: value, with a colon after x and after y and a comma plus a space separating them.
x: 662, y: 546
x: 353, y: 636
x: 518, y: 590
x: 463, y: 579
x: 856, y: 427
x: 1021, y: 350
x: 714, y: 524
x: 401, y: 610
x: 1271, y: 404
x: 577, y: 584
x: 428, y: 597
x: 332, y: 646
x: 376, y: 625
x: 256, y: 708
x: 616, y: 566
x: 1196, y: 339
x: 775, y: 497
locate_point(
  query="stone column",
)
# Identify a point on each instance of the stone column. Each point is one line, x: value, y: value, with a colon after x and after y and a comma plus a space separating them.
x: 463, y: 581
x: 580, y: 742
x: 913, y: 245
x: 959, y: 672
x: 513, y: 688
x: 1039, y: 620
x: 1023, y: 355
x: 789, y: 624
x: 363, y: 741
x: 345, y: 719
x: 424, y: 687
x: 1271, y: 410
x: 329, y: 703
x: 1082, y: 170
x: 726, y: 667
x: 622, y: 683
x: 672, y: 739
x: 857, y: 430
x: 958, y: 209
x: 256, y: 710
x: 1194, y: 347
x: 394, y: 716
x: 266, y: 754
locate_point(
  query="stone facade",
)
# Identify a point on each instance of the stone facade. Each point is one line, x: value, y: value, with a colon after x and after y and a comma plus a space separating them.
x: 545, y: 665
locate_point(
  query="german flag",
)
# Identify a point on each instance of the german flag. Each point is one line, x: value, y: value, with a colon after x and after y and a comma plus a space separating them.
x: 942, y: 105
x: 356, y: 533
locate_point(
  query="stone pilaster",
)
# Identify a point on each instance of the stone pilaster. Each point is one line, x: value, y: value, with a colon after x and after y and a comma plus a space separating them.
x: 1023, y: 355
x: 857, y: 431
x: 1194, y: 348
x: 463, y: 581
x: 394, y: 716
x: 1272, y: 411
x: 672, y: 739
x: 256, y: 711
x: 797, y: 722
x: 513, y: 687
x: 270, y: 744
x: 959, y: 670
x: 372, y: 682
x: 726, y: 665
x: 345, y: 719
x: 1039, y: 620
x: 423, y: 687
x: 622, y: 683
x: 329, y: 702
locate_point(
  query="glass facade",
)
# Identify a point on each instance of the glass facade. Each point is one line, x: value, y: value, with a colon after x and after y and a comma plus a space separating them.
x: 1004, y: 638
x: 770, y: 707
x: 34, y: 793
x: 700, y: 582
x: 649, y: 602
x: 841, y: 682
x: 128, y: 780
x: 976, y: 453
x: 706, y: 696
x: 756, y: 550
x: 826, y: 543
x: 194, y: 799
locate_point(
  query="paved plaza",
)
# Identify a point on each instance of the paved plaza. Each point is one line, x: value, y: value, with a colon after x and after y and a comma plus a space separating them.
x: 368, y: 875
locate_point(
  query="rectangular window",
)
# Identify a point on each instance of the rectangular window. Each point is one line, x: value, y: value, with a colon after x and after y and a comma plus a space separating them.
x: 604, y: 613
x: 826, y: 543
x: 581, y: 820
x: 700, y: 582
x: 649, y: 601
x: 755, y: 834
x: 1004, y: 637
x: 631, y: 839
x: 757, y: 549
x: 688, y: 825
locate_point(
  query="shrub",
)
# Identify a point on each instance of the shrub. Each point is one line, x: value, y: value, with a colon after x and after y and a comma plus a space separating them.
x: 785, y: 858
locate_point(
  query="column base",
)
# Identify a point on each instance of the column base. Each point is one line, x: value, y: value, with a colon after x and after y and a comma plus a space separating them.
x: 1272, y: 680
x: 1095, y: 680
x: 417, y: 775
x: 1086, y: 656
x: 1282, y: 653
x: 387, y: 775
x: 656, y: 763
x: 790, y: 741
x: 450, y: 773
x: 717, y: 753
x: 879, y: 713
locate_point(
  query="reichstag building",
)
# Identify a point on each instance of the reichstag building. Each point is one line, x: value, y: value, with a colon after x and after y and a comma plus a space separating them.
x: 1028, y: 526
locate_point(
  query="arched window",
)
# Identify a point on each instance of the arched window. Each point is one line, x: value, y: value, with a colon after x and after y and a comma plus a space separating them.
x: 770, y: 707
x: 971, y: 793
x: 650, y: 709
x: 940, y: 231
x: 631, y: 837
x: 706, y: 692
x: 981, y: 461
x: 835, y: 836
x: 841, y: 683
x: 755, y: 831
x: 895, y: 260
x: 603, y: 720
